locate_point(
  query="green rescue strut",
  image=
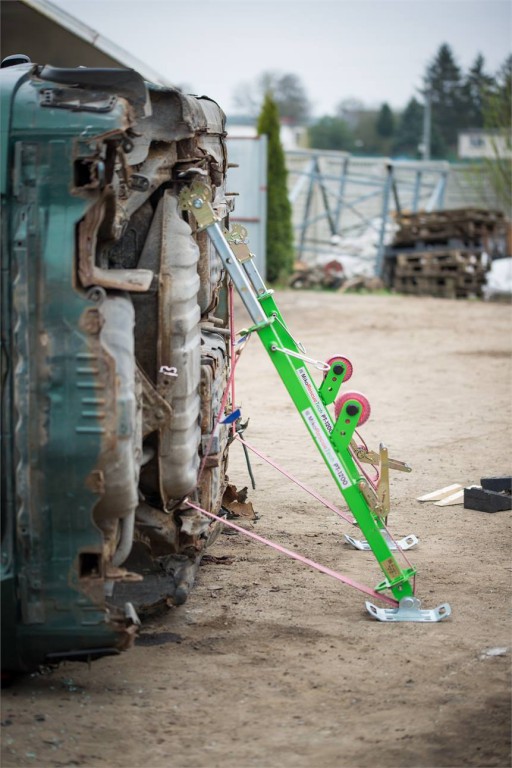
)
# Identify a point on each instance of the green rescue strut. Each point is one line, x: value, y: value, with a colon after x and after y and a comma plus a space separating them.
x: 333, y: 438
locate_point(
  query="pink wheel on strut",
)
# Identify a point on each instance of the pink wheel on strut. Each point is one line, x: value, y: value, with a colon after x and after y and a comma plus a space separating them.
x: 349, y: 369
x: 361, y: 399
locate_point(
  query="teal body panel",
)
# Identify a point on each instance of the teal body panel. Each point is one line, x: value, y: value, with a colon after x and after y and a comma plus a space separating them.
x: 53, y: 603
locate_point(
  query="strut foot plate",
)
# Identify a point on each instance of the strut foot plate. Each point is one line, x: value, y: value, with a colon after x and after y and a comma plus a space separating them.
x: 408, y: 542
x: 409, y: 610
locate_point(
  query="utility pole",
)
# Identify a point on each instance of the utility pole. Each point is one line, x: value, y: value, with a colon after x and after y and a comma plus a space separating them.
x: 427, y: 123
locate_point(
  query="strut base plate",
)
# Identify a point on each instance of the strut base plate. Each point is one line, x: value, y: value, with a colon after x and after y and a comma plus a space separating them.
x: 408, y: 542
x: 409, y: 610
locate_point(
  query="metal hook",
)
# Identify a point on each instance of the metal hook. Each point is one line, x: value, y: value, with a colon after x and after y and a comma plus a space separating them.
x: 168, y: 370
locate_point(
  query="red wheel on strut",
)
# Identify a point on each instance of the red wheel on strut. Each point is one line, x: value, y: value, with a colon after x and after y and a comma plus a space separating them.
x: 349, y: 369
x: 361, y: 399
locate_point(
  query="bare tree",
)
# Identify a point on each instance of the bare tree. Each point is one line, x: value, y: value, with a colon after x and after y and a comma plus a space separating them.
x: 286, y: 89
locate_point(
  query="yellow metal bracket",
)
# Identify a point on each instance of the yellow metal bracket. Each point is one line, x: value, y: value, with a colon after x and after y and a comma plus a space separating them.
x: 197, y: 199
x: 384, y: 463
x: 237, y: 239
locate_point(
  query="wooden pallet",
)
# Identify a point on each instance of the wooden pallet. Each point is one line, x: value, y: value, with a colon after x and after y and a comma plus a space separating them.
x: 420, y: 285
x: 466, y: 225
x: 446, y: 273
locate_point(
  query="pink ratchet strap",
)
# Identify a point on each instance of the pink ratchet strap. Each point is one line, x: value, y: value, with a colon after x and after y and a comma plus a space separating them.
x: 296, y: 556
x: 298, y: 482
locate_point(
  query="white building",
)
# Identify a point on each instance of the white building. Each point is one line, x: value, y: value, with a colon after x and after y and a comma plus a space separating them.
x: 477, y: 144
x: 291, y: 136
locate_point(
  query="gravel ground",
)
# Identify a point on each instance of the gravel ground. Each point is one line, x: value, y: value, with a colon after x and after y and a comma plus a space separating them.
x: 274, y: 665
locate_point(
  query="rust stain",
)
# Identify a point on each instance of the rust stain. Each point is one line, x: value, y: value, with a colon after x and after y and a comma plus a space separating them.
x: 95, y: 481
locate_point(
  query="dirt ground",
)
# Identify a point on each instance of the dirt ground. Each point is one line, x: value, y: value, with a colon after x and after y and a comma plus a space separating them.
x: 271, y: 664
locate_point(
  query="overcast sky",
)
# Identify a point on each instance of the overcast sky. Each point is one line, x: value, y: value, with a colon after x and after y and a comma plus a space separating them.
x: 372, y: 50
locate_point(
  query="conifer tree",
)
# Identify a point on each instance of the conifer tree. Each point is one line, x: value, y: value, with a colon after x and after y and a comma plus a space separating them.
x: 279, y: 238
x: 444, y: 82
x: 478, y: 85
x: 385, y: 125
x: 409, y: 133
x: 409, y: 129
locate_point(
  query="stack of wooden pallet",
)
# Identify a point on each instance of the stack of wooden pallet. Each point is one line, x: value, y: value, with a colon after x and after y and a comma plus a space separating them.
x: 448, y: 273
x: 443, y: 253
x: 468, y: 226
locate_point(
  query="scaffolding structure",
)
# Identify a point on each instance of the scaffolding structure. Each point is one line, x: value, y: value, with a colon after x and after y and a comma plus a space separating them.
x: 336, y: 195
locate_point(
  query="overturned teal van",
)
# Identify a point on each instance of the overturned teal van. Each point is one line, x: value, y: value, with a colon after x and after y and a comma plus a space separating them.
x: 115, y: 356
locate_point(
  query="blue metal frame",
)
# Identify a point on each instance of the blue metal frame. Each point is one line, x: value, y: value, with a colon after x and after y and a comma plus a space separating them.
x: 340, y: 191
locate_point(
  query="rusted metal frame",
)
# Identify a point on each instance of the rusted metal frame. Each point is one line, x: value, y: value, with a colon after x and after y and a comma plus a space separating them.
x: 137, y: 280
x: 156, y: 410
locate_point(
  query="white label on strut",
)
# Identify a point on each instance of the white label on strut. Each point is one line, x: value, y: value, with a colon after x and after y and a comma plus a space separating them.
x: 326, y: 448
x: 313, y: 394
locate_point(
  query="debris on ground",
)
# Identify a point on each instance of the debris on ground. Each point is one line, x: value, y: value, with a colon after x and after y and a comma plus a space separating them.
x: 493, y: 495
x: 489, y: 653
x: 367, y: 284
x: 347, y: 258
x: 328, y: 275
x: 499, y: 280
x: 441, y: 493
x: 236, y: 504
x: 332, y: 275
